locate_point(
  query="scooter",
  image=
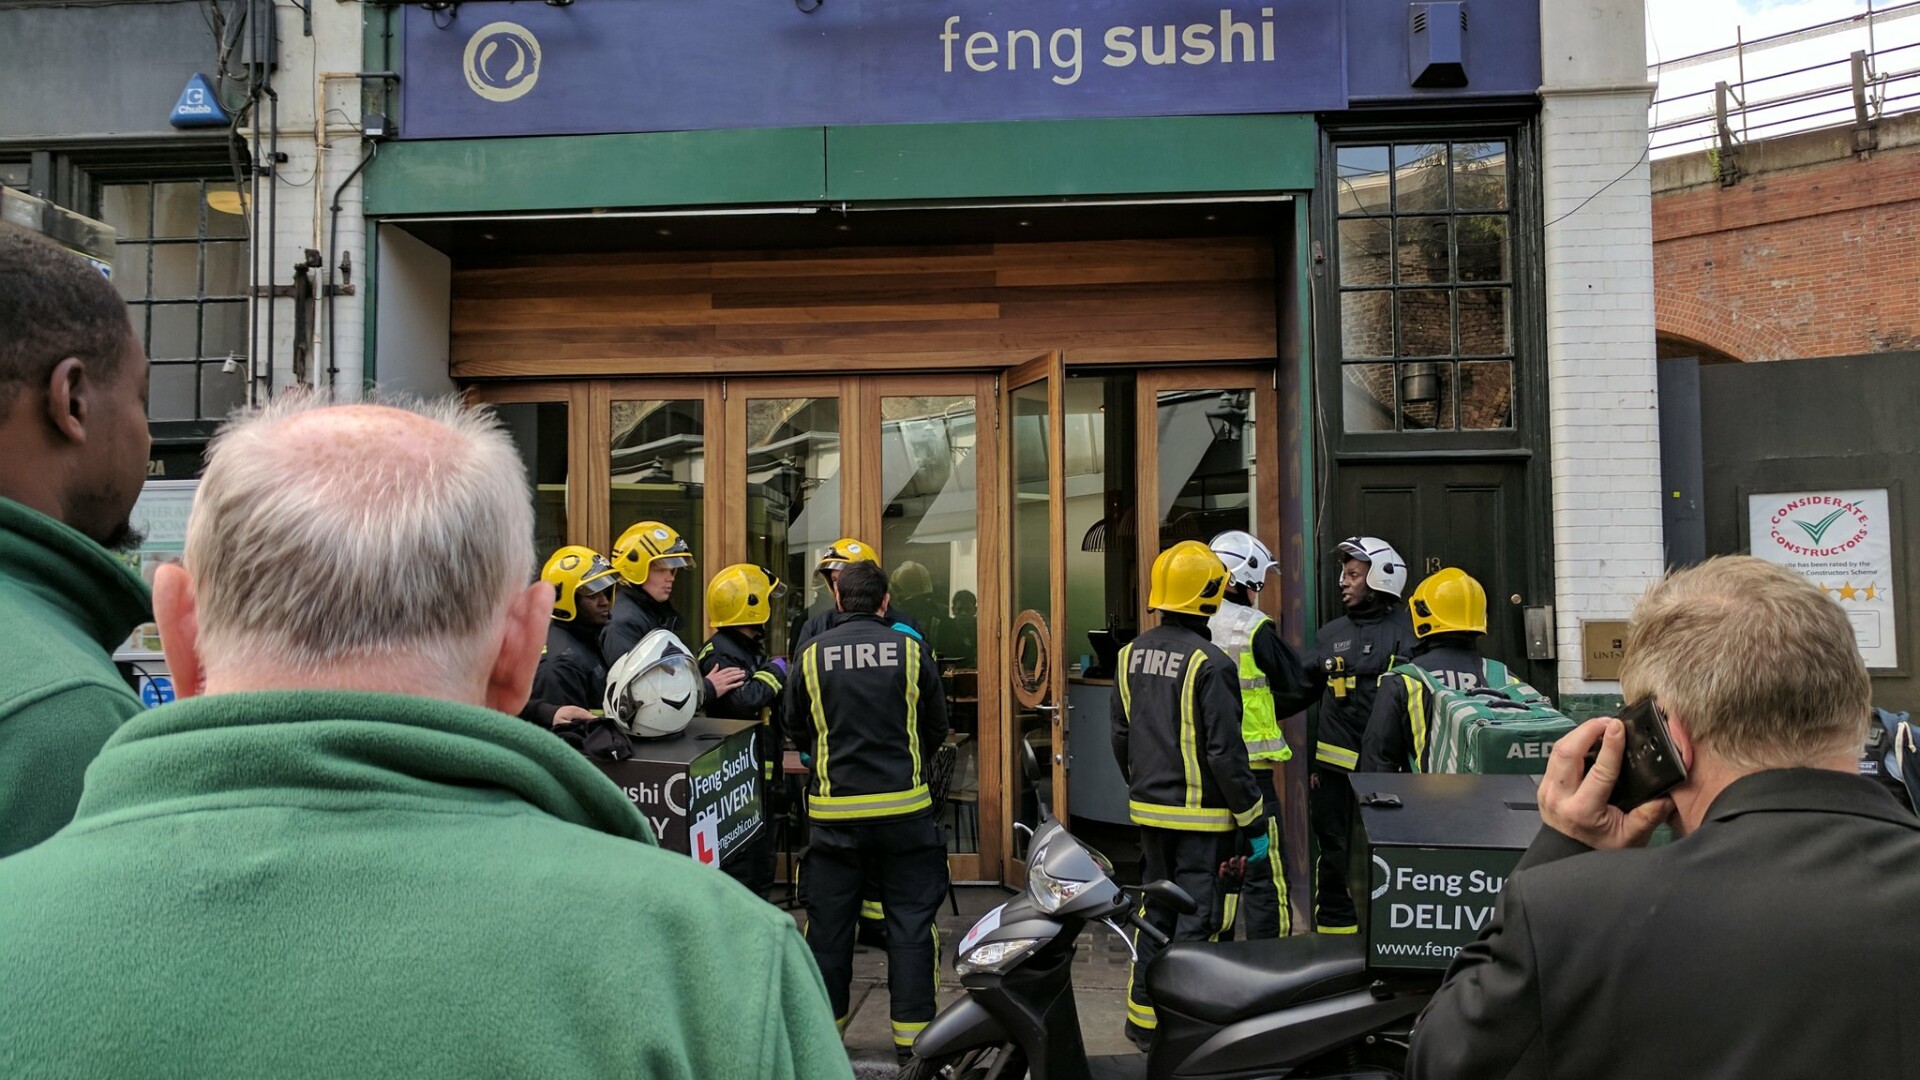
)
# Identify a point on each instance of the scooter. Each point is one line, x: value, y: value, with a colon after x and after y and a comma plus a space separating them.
x: 1292, y: 1008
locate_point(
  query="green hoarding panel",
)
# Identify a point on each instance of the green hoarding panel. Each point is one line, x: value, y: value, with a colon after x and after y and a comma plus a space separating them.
x: 683, y: 168
x: 1071, y: 157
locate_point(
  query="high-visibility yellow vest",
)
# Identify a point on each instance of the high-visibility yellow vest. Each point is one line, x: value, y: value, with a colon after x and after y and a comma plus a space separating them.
x: 1233, y: 627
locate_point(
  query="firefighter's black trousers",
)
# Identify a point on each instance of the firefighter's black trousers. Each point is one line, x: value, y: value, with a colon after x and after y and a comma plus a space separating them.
x: 907, y: 860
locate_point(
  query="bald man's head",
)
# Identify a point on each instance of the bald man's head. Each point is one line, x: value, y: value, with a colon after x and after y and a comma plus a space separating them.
x: 329, y: 535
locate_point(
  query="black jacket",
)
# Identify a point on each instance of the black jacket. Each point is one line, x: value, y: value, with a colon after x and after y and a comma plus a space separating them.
x: 1176, y: 733
x: 570, y: 673
x: 1388, y: 747
x: 1776, y: 941
x: 865, y: 701
x: 635, y: 615
x: 729, y: 648
x: 1343, y: 669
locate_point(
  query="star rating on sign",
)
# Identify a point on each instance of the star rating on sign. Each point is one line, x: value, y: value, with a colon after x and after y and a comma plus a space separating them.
x: 1849, y: 591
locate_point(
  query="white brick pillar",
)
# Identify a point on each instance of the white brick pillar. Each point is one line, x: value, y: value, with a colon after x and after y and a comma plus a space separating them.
x: 1601, y: 380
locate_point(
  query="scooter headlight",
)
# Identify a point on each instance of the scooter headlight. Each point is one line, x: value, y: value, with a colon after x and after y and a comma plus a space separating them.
x: 995, y: 956
x: 1050, y: 892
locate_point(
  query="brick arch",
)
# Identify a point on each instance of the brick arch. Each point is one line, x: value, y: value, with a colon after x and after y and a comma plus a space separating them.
x: 1719, y: 329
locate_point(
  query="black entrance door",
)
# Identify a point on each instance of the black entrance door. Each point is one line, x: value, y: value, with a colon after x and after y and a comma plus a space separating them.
x: 1470, y: 515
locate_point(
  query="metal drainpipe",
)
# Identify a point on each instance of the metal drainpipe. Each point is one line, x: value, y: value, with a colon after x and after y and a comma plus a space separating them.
x: 321, y: 149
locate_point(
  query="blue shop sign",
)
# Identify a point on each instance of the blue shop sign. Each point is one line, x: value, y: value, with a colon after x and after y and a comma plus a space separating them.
x: 486, y: 69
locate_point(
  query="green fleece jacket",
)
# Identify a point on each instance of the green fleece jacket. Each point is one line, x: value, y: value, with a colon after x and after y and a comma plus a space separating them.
x: 365, y: 885
x: 65, y: 605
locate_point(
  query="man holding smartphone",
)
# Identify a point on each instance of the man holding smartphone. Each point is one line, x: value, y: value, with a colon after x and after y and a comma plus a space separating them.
x: 1737, y: 951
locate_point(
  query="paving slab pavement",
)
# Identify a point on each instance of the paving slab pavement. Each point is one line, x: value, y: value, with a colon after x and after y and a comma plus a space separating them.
x: 1099, y: 982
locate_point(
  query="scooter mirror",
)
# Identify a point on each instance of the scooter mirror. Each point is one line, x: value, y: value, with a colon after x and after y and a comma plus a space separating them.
x: 1170, y: 896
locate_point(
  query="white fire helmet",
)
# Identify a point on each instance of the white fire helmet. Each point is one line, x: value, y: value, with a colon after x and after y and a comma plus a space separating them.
x: 654, y: 689
x: 1247, y: 560
x: 1386, y: 570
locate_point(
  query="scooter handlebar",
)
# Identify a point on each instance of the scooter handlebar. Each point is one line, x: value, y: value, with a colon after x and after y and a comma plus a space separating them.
x: 1147, y: 930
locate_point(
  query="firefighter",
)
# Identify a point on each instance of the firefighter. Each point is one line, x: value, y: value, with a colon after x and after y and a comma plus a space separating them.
x: 1449, y: 611
x: 571, y: 680
x: 649, y: 557
x: 1176, y: 735
x: 839, y: 555
x: 866, y: 704
x: 739, y: 599
x: 1343, y: 670
x: 1263, y: 663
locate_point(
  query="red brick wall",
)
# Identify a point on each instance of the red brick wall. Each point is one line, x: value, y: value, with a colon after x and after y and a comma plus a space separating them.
x: 1823, y: 261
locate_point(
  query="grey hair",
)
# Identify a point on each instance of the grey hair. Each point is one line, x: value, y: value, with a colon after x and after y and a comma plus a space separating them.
x: 309, y: 548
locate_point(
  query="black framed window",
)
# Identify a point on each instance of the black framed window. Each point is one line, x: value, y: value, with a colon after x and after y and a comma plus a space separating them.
x: 181, y: 263
x: 16, y: 174
x: 1425, y: 263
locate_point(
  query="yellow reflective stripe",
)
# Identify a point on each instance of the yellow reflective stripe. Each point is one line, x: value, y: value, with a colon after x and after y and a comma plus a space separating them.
x: 871, y: 909
x: 705, y: 650
x: 1278, y: 876
x: 1140, y: 1015
x: 1251, y: 814
x: 905, y: 1031
x: 913, y: 705
x: 1416, y: 715
x: 841, y: 1022
x: 1120, y: 673
x: 1338, y: 929
x: 1229, y: 912
x: 1270, y: 746
x: 1188, y: 818
x: 1338, y: 755
x: 884, y: 804
x: 1264, y: 764
x: 810, y: 671
x: 1189, y: 732
x: 769, y: 678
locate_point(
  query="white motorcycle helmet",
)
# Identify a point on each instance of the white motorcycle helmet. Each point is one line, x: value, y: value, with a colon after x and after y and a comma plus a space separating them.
x: 1247, y: 559
x: 654, y: 690
x: 1386, y: 570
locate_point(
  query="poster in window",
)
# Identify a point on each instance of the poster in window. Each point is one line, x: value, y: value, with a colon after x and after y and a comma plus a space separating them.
x: 1843, y: 542
x: 160, y: 517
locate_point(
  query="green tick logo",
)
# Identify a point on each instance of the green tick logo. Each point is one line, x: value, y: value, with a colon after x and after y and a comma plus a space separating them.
x: 1818, y: 529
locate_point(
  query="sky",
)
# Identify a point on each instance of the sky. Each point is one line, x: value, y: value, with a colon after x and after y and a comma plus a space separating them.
x: 1677, y: 28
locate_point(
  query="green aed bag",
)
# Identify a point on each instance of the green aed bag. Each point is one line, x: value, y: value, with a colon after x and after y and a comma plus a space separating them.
x: 1505, y: 726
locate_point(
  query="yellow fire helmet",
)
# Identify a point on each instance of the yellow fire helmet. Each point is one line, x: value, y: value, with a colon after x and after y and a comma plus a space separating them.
x: 1449, y: 602
x: 646, y: 543
x: 576, y: 571
x: 844, y: 552
x: 1188, y: 578
x: 742, y: 595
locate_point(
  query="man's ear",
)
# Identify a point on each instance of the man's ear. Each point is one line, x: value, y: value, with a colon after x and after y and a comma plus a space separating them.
x: 834, y: 588
x: 68, y: 399
x: 522, y: 640
x: 885, y: 603
x: 179, y: 619
x: 1682, y: 739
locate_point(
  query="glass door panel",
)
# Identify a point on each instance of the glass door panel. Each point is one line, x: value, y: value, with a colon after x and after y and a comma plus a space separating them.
x: 1035, y: 564
x: 1207, y: 469
x: 930, y: 540
x: 658, y: 472
x: 792, y: 501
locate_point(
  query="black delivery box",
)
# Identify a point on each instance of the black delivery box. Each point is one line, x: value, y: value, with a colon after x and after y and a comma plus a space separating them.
x: 700, y: 789
x: 1433, y: 865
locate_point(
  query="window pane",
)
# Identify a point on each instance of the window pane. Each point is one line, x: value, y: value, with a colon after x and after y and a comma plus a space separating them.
x: 1366, y: 323
x: 1486, y: 322
x: 1486, y: 395
x: 1206, y: 463
x: 1480, y: 176
x: 1483, y: 248
x: 171, y: 392
x: 16, y: 174
x: 1422, y: 251
x: 226, y: 269
x: 222, y: 391
x: 539, y: 431
x: 220, y: 223
x: 659, y: 473
x: 1366, y: 391
x: 175, y: 334
x: 793, y: 503
x: 1426, y: 322
x: 1426, y: 396
x: 225, y: 330
x: 1364, y: 247
x: 1420, y: 177
x: 176, y: 209
x: 124, y: 206
x: 176, y: 271
x: 130, y: 270
x: 930, y: 541
x: 1363, y: 179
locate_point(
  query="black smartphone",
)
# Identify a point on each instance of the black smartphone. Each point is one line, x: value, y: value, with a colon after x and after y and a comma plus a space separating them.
x: 1651, y: 766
